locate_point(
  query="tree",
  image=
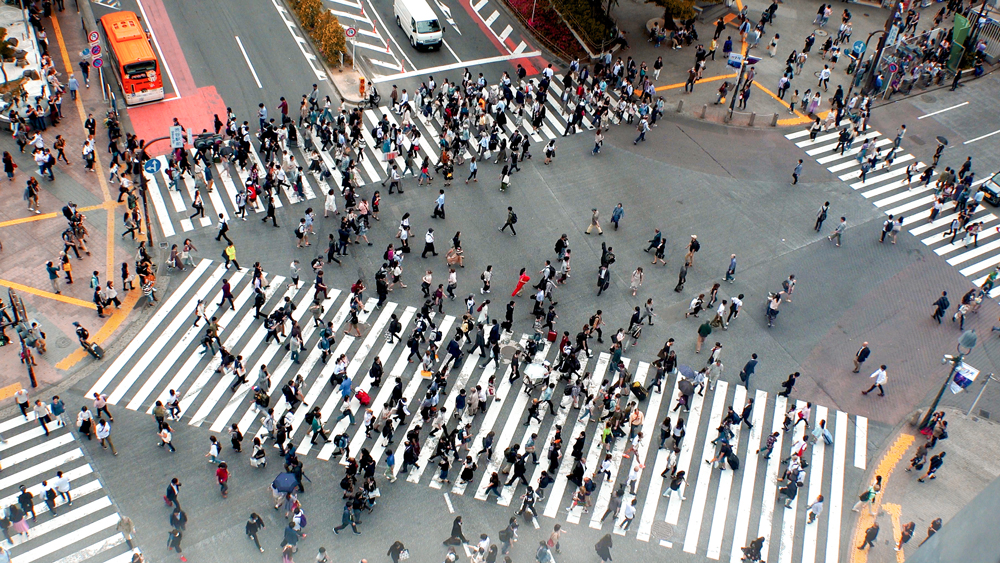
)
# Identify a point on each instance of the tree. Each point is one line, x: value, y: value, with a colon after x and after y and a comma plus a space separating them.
x: 675, y: 9
x: 7, y: 51
x: 329, y: 36
x: 309, y: 12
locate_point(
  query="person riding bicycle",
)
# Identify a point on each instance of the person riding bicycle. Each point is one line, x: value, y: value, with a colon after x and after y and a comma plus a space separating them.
x: 82, y: 334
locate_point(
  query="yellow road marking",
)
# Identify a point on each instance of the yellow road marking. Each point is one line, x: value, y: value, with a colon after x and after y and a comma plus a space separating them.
x: 119, y: 315
x: 8, y: 391
x: 48, y: 294
x: 110, y: 326
x: 894, y: 510
x: 886, y: 465
x: 106, y: 205
x: 681, y: 84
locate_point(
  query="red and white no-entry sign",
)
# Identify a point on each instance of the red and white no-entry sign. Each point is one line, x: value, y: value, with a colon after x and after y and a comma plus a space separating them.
x: 350, y: 32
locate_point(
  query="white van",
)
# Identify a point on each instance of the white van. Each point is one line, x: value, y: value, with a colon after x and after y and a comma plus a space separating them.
x: 419, y: 22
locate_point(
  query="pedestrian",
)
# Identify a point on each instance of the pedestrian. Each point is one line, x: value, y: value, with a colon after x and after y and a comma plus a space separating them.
x: 769, y: 444
x: 178, y: 519
x: 253, y: 527
x: 222, y: 476
x: 941, y: 305
x: 595, y: 222
x: 860, y: 356
x: 214, y: 450
x: 704, y: 331
x: 905, y: 535
x: 510, y: 222
x: 838, y: 231
x: 174, y: 540
x: 932, y: 466
x: 347, y: 519
x: 125, y: 526
x: 731, y: 271
x: 880, y: 377
x: 173, y: 489
x: 869, y: 496
x: 788, y: 384
x: 748, y: 370
x: 934, y: 527
x: 871, y: 534
x: 21, y: 397
x: 796, y: 173
x: 104, y: 435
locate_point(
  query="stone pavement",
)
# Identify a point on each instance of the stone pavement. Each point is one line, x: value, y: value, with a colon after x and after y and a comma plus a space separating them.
x: 793, y: 22
x: 29, y: 239
x: 970, y: 466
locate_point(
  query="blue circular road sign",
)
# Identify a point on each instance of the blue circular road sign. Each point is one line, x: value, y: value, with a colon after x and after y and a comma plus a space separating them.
x: 152, y: 166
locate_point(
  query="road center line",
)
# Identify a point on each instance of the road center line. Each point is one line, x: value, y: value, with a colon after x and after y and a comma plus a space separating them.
x: 247, y: 59
x: 943, y: 110
x: 981, y: 138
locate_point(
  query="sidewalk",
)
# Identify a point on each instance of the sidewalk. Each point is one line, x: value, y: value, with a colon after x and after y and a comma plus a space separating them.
x: 793, y: 22
x: 30, y: 240
x: 972, y: 448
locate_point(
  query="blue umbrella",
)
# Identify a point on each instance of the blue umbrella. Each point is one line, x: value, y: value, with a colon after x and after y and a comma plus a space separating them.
x: 686, y: 371
x: 285, y: 482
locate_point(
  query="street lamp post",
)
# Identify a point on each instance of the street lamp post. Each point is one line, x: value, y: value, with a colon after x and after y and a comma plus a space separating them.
x: 967, y: 340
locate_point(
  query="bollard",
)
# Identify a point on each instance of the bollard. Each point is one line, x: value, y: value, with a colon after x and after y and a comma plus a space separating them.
x: 752, y: 117
x: 704, y: 111
x: 728, y: 116
x: 680, y: 105
x: 774, y: 121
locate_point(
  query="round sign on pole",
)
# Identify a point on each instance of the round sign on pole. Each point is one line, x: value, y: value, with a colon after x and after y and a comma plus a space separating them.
x: 93, y: 36
x: 350, y: 32
x: 893, y: 67
x: 152, y: 166
x: 95, y: 50
x: 98, y: 62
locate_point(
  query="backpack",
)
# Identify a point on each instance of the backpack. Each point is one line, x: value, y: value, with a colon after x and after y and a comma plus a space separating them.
x: 513, y: 218
x: 302, y: 521
x: 504, y: 535
x: 695, y: 245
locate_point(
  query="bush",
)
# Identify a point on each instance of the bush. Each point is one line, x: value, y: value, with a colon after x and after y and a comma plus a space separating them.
x: 329, y: 36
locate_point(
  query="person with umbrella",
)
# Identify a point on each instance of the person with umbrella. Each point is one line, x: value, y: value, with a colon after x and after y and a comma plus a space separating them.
x: 603, y: 548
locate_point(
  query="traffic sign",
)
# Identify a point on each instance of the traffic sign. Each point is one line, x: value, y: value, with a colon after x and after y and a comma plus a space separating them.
x: 893, y: 67
x: 859, y: 47
x: 735, y: 59
x: 95, y: 50
x: 152, y: 166
x: 93, y: 37
x: 176, y: 137
x: 350, y: 32
x: 98, y: 62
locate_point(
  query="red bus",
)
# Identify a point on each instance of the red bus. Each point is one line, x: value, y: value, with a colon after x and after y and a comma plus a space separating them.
x: 130, y: 53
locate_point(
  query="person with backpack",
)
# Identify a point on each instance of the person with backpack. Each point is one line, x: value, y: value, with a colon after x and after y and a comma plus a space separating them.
x: 511, y: 221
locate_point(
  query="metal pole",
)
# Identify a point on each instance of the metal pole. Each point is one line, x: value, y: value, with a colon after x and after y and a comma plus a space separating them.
x: 979, y: 396
x: 889, y: 22
x: 736, y: 89
x: 861, y: 57
x: 143, y: 188
x: 531, y: 21
x: 954, y: 366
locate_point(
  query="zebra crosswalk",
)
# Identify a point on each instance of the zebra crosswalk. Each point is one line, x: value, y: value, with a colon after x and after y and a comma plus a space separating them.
x: 85, y: 530
x: 173, y: 204
x: 722, y: 511
x: 890, y: 190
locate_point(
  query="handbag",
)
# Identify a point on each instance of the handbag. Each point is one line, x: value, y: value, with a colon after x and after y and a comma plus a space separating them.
x: 404, y: 555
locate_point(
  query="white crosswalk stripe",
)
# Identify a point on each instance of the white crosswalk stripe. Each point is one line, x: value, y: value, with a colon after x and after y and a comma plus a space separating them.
x: 82, y: 531
x: 890, y: 190
x: 172, y: 206
x: 743, y: 499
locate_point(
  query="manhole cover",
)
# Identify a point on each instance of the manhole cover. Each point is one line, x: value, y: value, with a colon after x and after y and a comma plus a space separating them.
x: 662, y: 531
x: 917, y: 140
x: 929, y: 98
x: 62, y: 342
x: 984, y: 414
x: 821, y: 33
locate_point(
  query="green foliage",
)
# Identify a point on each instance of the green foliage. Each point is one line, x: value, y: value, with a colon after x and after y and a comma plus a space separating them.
x: 588, y: 18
